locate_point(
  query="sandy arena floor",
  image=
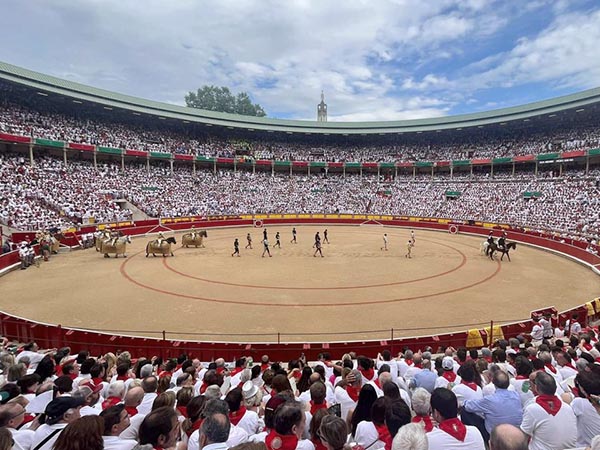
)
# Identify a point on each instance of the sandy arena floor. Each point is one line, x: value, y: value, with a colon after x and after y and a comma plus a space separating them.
x: 205, y: 294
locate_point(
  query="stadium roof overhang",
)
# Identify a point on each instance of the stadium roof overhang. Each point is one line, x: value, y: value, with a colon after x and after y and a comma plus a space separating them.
x: 82, y: 93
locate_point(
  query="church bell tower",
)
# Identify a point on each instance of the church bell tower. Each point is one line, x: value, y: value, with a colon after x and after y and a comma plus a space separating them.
x: 322, y: 109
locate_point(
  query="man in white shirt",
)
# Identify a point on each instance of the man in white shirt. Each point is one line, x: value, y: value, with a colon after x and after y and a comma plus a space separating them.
x: 149, y: 385
x: 451, y: 432
x: 31, y: 350
x: 11, y: 417
x: 549, y: 422
x: 59, y: 413
x: 116, y: 420
x: 537, y: 332
x: 214, y: 432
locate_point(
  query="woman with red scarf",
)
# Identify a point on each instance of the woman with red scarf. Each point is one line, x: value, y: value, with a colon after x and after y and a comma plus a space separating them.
x: 373, y: 434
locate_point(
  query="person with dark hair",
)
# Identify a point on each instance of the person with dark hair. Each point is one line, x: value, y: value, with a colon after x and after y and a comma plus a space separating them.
x: 451, y: 432
x: 363, y: 410
x: 82, y: 434
x: 28, y: 385
x: 550, y: 423
x: 238, y: 414
x: 217, y: 406
x: 469, y: 387
x: 59, y: 413
x: 116, y: 420
x: 288, y: 428
x: 503, y: 406
x: 371, y: 431
x: 303, y: 383
x: 160, y: 428
x: 520, y: 383
x: 45, y: 369
x: 508, y: 437
x: 194, y: 414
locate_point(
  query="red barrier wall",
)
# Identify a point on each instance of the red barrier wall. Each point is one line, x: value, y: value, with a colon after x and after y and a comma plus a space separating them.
x: 49, y: 336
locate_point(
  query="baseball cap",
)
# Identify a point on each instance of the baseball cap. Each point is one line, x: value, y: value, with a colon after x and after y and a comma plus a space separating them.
x: 60, y: 405
x: 447, y: 363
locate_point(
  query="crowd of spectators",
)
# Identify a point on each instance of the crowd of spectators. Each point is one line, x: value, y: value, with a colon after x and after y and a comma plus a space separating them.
x: 47, y: 124
x: 539, y: 390
x: 52, y: 194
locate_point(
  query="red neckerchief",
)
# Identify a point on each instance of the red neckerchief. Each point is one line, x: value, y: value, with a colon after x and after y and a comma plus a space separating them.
x: 426, y: 421
x: 195, y: 426
x: 165, y: 373
x: 455, y: 428
x: 72, y: 376
x: 183, y: 410
x: 419, y: 366
x: 236, y: 416
x: 315, y: 407
x: 318, y: 444
x: 236, y: 371
x: 367, y: 374
x: 203, y: 387
x: 449, y: 375
x: 264, y: 366
x: 27, y: 418
x: 597, y: 360
x: 276, y: 441
x: 384, y: 435
x: 353, y: 392
x: 488, y: 359
x: 587, y: 346
x: 110, y: 401
x: 132, y: 410
x: 97, y: 381
x: 377, y: 383
x: 470, y: 384
x: 178, y: 367
x: 328, y: 363
x: 409, y: 362
x: 572, y: 366
x: 550, y: 403
x: 551, y: 367
x: 296, y: 374
x: 220, y: 369
x: 122, y: 378
x: 522, y: 377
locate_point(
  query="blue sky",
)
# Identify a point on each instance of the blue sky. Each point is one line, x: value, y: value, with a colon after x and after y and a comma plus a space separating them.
x: 375, y: 60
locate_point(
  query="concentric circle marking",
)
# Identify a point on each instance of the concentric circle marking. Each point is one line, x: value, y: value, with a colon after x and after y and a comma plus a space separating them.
x: 340, y: 288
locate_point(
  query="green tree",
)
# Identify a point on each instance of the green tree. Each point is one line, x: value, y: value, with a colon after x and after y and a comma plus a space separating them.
x: 221, y: 99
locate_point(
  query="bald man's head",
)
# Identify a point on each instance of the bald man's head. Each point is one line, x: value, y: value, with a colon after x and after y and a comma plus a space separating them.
x: 508, y: 437
x: 134, y: 396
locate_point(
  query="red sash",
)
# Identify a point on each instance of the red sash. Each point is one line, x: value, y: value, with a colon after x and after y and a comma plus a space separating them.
x: 449, y: 375
x: 353, y: 392
x: 122, y: 378
x: 276, y: 441
x: 236, y: 371
x: 183, y: 410
x: 72, y: 376
x: 236, y: 416
x: 318, y: 444
x: 384, y: 436
x: 426, y: 421
x: 97, y: 381
x: 132, y: 410
x: 110, y: 401
x: 195, y: 426
x: 165, y: 373
x: 315, y: 407
x: 409, y: 362
x: 550, y: 367
x: 550, y: 403
x: 470, y: 384
x: 264, y: 367
x: 203, y: 387
x: 378, y: 383
x: 367, y: 374
x: 455, y: 428
x: 587, y: 346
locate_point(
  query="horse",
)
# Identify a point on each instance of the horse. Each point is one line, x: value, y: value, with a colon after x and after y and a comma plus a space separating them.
x: 118, y: 249
x: 492, y: 248
x: 187, y: 239
x: 164, y: 249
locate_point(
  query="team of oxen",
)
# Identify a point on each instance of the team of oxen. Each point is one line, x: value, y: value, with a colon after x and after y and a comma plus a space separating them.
x: 109, y: 243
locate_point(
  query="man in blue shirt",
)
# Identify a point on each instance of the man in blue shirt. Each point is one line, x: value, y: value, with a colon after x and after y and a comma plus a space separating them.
x: 425, y: 378
x: 503, y: 406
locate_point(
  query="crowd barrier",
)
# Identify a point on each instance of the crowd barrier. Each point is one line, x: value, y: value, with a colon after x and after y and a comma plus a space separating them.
x: 281, y: 346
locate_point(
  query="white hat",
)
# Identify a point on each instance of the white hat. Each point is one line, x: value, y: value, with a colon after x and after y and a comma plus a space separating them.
x: 447, y: 363
x: 249, y: 389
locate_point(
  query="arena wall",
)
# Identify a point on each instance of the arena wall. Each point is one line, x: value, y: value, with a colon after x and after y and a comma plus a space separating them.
x: 54, y: 335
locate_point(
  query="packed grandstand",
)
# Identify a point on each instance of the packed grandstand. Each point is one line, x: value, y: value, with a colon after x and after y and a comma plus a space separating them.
x: 66, y: 162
